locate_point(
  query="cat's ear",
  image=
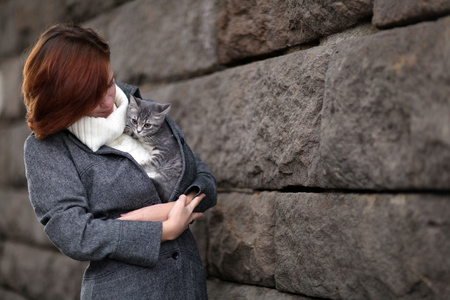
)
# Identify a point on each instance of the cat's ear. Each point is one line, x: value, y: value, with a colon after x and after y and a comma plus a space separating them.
x: 164, y: 111
x: 165, y: 108
x: 134, y: 101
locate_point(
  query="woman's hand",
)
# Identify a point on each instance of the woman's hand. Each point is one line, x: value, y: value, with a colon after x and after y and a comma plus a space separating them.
x: 155, y: 213
x: 180, y: 216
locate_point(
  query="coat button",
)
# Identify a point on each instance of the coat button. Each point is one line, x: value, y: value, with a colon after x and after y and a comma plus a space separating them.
x: 175, y: 255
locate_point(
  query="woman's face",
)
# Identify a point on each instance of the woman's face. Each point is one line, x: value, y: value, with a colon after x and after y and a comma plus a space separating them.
x: 106, y: 106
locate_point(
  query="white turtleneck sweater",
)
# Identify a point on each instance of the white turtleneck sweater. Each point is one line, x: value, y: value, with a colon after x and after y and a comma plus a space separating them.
x: 96, y: 132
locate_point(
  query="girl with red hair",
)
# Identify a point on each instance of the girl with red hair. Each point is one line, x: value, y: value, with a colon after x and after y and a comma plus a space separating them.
x: 95, y: 201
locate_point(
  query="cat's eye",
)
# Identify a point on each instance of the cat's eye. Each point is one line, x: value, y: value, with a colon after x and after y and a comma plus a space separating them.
x: 134, y: 121
x: 147, y: 125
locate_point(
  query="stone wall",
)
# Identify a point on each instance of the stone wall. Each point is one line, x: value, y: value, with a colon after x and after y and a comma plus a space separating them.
x: 326, y: 123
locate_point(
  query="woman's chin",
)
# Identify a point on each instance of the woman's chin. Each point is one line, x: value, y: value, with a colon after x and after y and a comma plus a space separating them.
x: 102, y: 114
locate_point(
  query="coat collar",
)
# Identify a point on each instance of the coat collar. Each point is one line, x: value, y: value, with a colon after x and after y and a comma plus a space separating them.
x: 129, y: 89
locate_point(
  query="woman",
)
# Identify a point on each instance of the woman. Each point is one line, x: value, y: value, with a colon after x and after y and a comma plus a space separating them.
x: 95, y: 201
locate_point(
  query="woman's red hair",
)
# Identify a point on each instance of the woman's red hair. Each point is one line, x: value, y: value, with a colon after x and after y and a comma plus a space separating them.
x: 65, y: 77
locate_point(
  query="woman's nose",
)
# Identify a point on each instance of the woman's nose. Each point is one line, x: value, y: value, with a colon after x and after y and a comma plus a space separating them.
x: 107, y: 101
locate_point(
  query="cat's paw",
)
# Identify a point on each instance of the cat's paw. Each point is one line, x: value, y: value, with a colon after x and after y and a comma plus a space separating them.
x: 128, y: 131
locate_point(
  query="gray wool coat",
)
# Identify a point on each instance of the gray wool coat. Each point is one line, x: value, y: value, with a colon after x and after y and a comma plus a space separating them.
x: 77, y: 194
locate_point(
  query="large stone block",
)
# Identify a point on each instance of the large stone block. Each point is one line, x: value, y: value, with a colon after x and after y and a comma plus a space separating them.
x: 39, y: 273
x: 222, y: 290
x: 10, y: 295
x: 258, y: 125
x: 17, y: 219
x: 356, y: 246
x: 240, y: 236
x: 388, y: 13
x: 12, y: 139
x: 11, y: 102
x: 155, y: 41
x: 351, y: 33
x: 256, y: 27
x: 386, y: 113
x: 24, y: 20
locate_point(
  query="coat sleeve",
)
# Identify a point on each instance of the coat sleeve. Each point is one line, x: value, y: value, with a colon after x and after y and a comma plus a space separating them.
x: 204, y: 182
x: 60, y: 203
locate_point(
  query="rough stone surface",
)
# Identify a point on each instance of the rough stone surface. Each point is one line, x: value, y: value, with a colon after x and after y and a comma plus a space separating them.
x: 11, y: 102
x: 350, y: 246
x: 370, y: 109
x: 241, y: 238
x: 17, y: 219
x: 388, y: 13
x: 37, y: 273
x: 142, y: 33
x: 10, y: 295
x: 222, y: 290
x: 386, y: 114
x: 12, y: 138
x: 256, y: 27
x: 256, y: 126
x: 352, y: 33
x: 24, y: 20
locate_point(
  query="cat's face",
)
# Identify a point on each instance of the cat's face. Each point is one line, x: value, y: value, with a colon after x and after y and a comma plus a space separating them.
x: 145, y: 117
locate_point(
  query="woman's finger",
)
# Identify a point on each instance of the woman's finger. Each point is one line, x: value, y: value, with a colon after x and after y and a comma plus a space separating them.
x: 196, y: 216
x: 129, y: 214
x: 133, y: 216
x: 196, y: 201
x: 182, y: 199
x: 135, y: 212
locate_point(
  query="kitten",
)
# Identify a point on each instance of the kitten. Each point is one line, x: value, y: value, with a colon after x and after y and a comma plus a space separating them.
x: 146, y: 123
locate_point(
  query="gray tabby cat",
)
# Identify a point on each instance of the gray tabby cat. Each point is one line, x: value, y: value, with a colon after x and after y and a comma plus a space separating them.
x: 146, y: 123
